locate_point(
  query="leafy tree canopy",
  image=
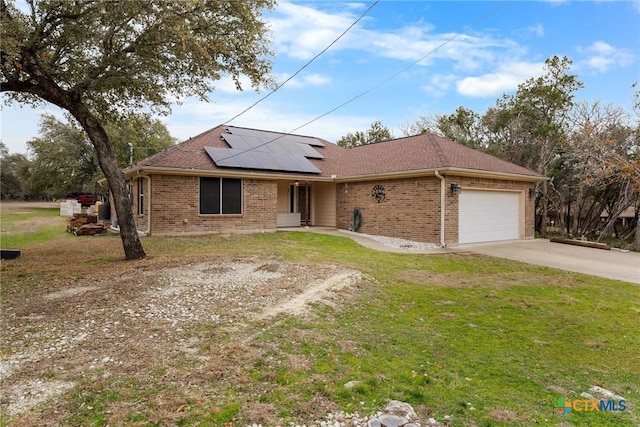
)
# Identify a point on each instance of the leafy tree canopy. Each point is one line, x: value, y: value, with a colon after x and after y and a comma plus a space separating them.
x: 117, y: 57
x: 376, y: 133
x: 63, y: 160
x: 14, y: 170
x: 146, y: 135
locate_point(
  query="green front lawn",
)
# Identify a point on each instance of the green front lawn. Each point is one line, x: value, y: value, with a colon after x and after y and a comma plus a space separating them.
x: 468, y: 340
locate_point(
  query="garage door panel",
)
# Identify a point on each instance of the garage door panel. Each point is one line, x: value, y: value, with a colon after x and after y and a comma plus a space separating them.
x: 486, y: 216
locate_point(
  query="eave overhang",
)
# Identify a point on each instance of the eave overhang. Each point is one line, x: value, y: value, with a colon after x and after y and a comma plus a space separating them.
x: 225, y: 173
x: 236, y: 173
x: 475, y: 173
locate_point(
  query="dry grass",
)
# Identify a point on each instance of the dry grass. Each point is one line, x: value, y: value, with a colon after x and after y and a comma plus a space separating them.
x: 169, y: 332
x: 178, y: 338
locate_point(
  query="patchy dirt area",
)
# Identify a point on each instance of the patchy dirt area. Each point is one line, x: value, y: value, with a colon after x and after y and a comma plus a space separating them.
x: 155, y: 324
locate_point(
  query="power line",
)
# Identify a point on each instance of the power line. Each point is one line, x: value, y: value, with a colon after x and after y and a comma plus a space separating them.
x: 305, y: 65
x: 382, y: 83
x: 388, y: 79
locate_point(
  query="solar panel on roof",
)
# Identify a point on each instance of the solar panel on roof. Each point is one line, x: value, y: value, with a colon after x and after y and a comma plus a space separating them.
x: 266, y: 161
x: 286, y: 162
x: 229, y: 157
x: 273, y: 135
x: 254, y: 149
x: 237, y: 142
x: 309, y: 151
x: 224, y: 156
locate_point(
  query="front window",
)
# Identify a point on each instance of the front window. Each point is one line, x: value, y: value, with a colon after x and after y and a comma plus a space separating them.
x: 140, y: 196
x: 220, y: 196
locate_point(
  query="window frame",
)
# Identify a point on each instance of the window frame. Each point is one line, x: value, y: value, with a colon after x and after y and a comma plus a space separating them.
x: 141, y: 195
x: 224, y: 197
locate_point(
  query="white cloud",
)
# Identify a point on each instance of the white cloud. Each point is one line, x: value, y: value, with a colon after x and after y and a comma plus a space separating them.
x: 301, y: 32
x: 506, y: 78
x: 194, y: 117
x: 537, y: 29
x: 439, y: 84
x: 601, y: 57
x: 314, y: 79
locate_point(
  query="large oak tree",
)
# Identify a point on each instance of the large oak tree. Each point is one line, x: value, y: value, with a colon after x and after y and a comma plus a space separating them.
x: 102, y: 60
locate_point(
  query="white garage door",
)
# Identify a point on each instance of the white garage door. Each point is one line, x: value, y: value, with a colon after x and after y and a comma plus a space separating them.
x: 486, y: 216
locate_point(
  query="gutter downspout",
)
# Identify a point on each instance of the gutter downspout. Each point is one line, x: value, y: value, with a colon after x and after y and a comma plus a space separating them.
x: 442, y: 207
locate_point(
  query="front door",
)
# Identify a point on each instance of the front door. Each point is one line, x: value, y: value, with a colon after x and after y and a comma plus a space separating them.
x: 304, y: 204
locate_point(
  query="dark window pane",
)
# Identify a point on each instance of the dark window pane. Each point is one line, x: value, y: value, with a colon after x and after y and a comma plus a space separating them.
x: 140, y: 196
x: 231, y: 196
x: 209, y: 195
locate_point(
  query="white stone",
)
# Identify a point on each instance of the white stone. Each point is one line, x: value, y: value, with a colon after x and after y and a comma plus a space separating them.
x: 399, y: 408
x: 374, y: 422
x: 388, y: 420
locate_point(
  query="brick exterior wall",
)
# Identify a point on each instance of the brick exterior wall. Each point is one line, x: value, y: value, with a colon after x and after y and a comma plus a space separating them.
x: 175, y: 205
x: 411, y: 208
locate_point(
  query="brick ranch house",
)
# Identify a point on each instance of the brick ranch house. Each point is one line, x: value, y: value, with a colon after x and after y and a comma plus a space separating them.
x: 421, y: 188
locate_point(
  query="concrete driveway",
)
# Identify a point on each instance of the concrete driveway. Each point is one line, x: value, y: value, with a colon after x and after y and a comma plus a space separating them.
x: 613, y: 264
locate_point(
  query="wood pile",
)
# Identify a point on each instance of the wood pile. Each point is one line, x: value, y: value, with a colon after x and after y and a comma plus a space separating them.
x: 85, y: 225
x: 581, y: 243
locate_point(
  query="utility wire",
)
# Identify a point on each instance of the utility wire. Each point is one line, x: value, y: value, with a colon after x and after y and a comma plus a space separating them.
x: 393, y: 76
x: 305, y: 65
x: 382, y: 83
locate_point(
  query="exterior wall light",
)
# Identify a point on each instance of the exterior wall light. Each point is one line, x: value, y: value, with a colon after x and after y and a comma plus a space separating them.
x: 456, y: 189
x: 533, y: 192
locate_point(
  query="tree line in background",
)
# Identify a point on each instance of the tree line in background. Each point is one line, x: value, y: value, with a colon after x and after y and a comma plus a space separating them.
x: 102, y: 64
x: 62, y: 160
x: 589, y: 151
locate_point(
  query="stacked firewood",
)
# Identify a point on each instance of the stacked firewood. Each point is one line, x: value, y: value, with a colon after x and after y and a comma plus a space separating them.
x: 82, y: 224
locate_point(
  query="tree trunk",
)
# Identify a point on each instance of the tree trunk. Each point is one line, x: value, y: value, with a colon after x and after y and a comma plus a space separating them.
x: 71, y: 100
x: 615, y: 210
x: 109, y: 164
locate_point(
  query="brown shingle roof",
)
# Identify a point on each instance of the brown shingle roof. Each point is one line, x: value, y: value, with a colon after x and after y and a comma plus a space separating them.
x: 415, y: 153
x: 423, y: 152
x: 190, y: 154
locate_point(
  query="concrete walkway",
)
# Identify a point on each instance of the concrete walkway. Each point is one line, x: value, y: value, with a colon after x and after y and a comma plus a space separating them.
x: 612, y: 264
x: 367, y: 241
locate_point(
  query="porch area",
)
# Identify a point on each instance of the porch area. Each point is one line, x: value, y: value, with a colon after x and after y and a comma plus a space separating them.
x: 306, y: 204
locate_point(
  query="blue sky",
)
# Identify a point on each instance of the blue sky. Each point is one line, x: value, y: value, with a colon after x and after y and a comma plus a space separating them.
x: 473, y: 52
